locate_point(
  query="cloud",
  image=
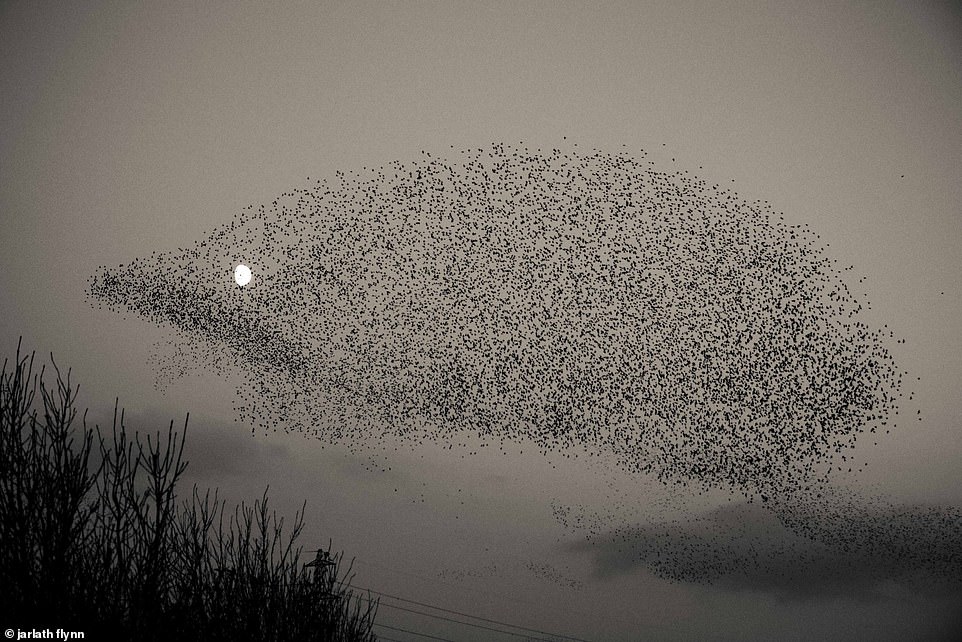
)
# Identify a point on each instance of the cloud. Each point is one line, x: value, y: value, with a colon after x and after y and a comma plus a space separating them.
x: 216, y: 450
x: 795, y: 551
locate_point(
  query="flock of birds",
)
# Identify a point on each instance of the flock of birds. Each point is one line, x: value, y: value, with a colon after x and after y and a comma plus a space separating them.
x: 566, y: 299
x: 835, y: 541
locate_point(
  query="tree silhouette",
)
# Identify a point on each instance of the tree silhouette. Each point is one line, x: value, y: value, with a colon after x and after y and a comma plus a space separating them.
x: 94, y: 537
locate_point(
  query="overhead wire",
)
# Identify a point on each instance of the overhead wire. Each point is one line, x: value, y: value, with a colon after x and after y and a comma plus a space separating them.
x: 462, y: 614
x: 423, y: 635
x: 447, y: 619
x: 490, y: 593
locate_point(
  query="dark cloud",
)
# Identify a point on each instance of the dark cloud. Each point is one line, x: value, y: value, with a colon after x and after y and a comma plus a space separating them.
x: 215, y: 450
x: 796, y: 553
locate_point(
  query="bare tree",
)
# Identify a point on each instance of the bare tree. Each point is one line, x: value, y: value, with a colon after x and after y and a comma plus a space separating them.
x: 93, y: 535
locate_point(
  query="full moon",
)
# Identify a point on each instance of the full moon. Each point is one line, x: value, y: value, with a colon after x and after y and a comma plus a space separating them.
x: 242, y: 274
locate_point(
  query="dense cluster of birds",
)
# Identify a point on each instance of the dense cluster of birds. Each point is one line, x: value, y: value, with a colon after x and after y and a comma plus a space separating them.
x: 907, y: 541
x: 582, y: 301
x: 834, y: 541
x: 566, y: 298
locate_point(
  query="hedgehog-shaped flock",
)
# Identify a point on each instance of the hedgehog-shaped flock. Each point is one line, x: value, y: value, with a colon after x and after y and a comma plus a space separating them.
x: 567, y: 298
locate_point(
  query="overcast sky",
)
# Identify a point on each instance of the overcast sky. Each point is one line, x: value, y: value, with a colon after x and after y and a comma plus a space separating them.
x: 128, y: 128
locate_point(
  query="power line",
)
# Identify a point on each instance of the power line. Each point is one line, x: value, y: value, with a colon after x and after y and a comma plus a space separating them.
x: 492, y: 594
x: 423, y: 635
x: 447, y: 619
x: 476, y: 617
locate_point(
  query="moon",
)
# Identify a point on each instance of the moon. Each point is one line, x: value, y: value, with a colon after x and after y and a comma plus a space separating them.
x: 242, y: 274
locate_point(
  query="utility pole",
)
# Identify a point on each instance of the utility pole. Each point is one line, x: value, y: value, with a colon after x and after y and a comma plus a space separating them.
x: 322, y: 563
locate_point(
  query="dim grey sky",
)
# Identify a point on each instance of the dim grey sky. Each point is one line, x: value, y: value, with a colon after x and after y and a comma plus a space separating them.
x: 127, y: 128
